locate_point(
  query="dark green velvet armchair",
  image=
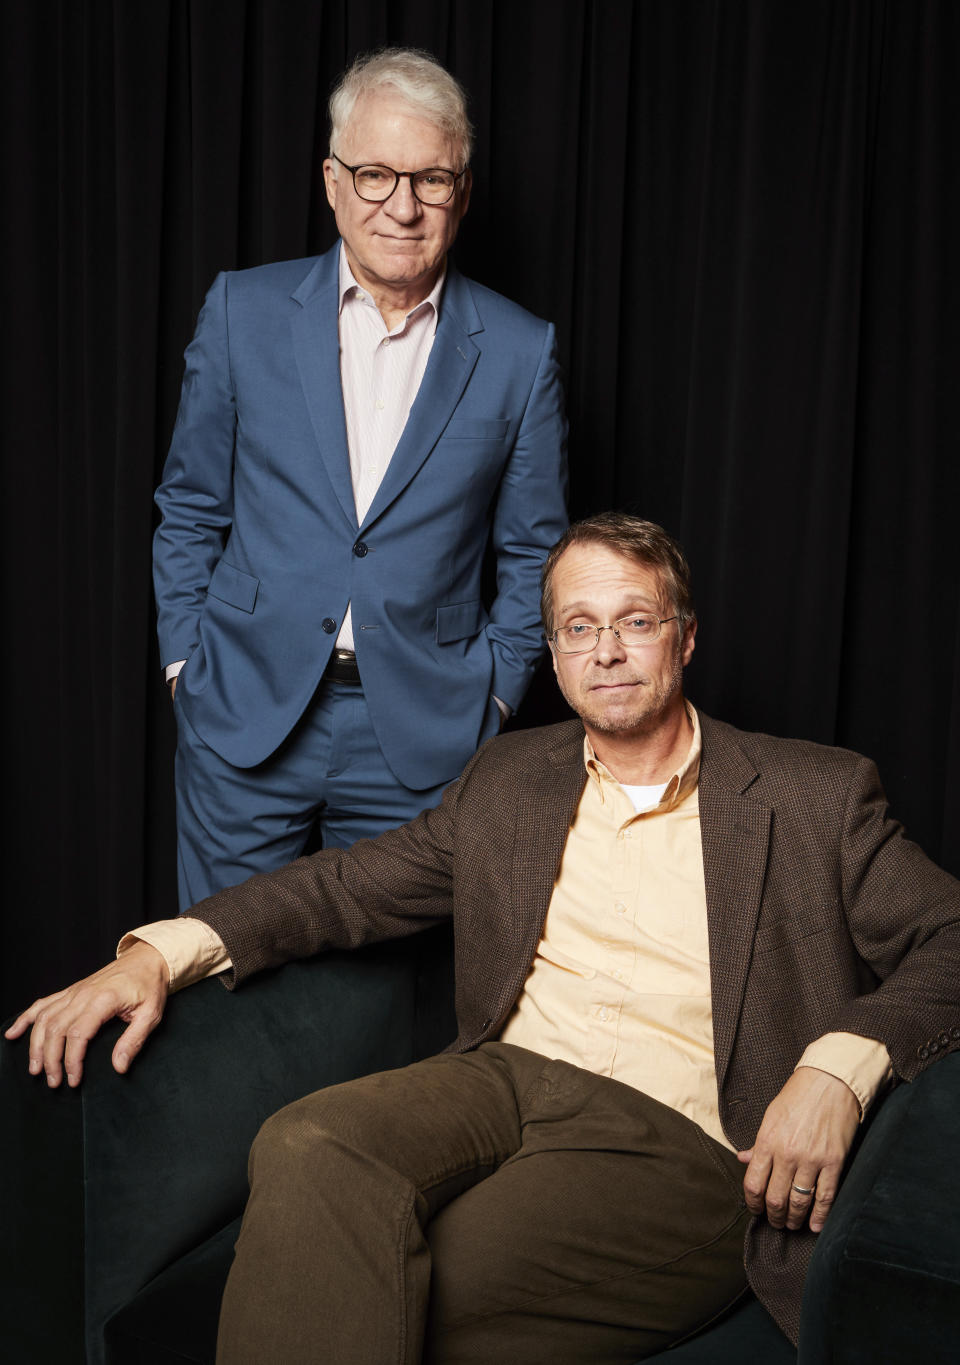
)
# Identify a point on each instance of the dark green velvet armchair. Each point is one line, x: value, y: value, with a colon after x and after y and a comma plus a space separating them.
x: 121, y: 1200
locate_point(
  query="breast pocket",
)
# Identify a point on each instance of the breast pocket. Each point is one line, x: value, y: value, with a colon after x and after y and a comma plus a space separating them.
x: 476, y: 429
x: 775, y: 933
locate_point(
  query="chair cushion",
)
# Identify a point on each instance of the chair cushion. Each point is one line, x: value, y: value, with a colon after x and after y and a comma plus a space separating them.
x: 745, y: 1335
x: 174, y: 1318
x: 884, y: 1285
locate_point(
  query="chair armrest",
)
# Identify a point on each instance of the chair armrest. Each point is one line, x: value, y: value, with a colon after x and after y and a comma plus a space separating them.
x: 884, y: 1282
x: 104, y: 1186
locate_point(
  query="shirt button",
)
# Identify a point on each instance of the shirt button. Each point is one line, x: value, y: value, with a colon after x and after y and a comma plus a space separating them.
x: 618, y: 976
x: 604, y: 1015
x: 620, y: 908
x: 380, y: 405
x: 386, y: 341
x: 328, y: 625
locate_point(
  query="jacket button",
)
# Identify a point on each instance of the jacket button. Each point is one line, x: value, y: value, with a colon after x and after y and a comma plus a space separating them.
x: 934, y: 1046
x: 944, y: 1039
x: 328, y: 625
x: 923, y: 1053
x: 360, y: 549
x: 485, y: 1025
x: 955, y: 1034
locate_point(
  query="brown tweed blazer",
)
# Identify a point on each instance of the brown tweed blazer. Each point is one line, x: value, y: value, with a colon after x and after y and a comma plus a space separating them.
x: 822, y: 915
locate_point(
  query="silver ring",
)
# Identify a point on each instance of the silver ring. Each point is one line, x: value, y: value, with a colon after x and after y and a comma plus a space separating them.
x: 800, y: 1190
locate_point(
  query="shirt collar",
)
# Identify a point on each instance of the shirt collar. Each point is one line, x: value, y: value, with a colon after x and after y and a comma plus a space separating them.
x: 682, y: 782
x: 350, y: 288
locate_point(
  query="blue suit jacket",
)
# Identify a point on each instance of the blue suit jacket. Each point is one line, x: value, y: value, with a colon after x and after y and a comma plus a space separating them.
x: 259, y: 550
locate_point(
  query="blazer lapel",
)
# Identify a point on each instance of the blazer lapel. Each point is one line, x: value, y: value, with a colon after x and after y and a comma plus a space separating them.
x: 542, y: 819
x: 452, y: 360
x: 316, y: 346
x: 735, y: 834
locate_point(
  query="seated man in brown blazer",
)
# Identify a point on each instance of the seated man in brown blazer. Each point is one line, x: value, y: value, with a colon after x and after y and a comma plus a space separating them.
x: 688, y: 960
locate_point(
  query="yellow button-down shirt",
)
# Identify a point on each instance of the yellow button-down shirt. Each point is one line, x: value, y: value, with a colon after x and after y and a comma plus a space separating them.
x: 621, y: 980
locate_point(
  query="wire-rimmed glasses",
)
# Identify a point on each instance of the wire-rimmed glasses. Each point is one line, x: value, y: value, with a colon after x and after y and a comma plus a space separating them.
x: 640, y: 628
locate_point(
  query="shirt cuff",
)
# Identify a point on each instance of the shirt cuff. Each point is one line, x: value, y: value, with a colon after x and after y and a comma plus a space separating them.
x: 190, y: 948
x: 861, y: 1063
x: 172, y: 670
x: 505, y: 710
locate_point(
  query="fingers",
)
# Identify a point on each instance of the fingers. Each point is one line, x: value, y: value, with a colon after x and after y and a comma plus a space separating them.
x: 37, y: 1015
x: 24, y: 1020
x: 826, y: 1192
x: 133, y: 988
x: 780, y: 1189
x: 61, y: 1051
x: 62, y: 1031
x: 132, y: 1039
x: 791, y: 1199
x: 794, y: 1168
x: 800, y: 1197
x: 755, y: 1181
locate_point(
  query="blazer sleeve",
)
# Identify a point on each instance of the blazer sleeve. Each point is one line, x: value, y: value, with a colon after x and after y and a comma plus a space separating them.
x: 530, y: 515
x: 195, y: 497
x: 904, y: 917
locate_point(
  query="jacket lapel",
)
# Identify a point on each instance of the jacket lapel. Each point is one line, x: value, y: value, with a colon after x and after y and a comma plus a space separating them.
x: 316, y: 346
x: 544, y: 812
x: 735, y: 834
x: 452, y: 360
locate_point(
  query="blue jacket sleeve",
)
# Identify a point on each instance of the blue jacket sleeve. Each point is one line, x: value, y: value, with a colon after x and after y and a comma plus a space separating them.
x: 195, y: 497
x: 530, y: 515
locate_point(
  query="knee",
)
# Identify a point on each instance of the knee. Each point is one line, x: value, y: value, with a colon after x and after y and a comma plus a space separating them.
x: 291, y: 1140
x: 323, y: 1134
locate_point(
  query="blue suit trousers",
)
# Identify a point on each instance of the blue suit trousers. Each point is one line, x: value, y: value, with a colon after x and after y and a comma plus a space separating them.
x: 329, y: 772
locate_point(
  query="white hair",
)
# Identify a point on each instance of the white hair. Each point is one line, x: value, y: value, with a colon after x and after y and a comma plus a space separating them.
x: 418, y: 79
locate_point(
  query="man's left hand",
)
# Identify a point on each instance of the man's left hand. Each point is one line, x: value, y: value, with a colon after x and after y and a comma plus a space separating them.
x: 803, y: 1141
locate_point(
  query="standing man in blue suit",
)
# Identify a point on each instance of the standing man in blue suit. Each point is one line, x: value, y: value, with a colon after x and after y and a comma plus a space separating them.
x: 354, y: 430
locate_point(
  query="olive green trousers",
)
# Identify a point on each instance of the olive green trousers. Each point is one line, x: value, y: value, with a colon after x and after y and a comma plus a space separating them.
x: 476, y: 1209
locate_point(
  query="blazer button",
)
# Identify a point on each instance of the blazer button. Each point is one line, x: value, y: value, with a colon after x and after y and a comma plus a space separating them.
x: 955, y: 1034
x: 328, y: 625
x: 485, y: 1025
x: 923, y: 1053
x: 360, y: 549
x: 934, y: 1046
x: 944, y: 1039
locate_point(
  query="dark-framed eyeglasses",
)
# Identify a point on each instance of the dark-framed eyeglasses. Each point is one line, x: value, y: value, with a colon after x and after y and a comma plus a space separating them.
x: 375, y: 183
x: 641, y: 628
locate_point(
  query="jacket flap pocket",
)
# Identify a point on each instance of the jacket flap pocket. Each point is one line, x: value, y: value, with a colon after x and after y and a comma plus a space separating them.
x: 458, y: 621
x: 233, y: 586
x: 479, y: 428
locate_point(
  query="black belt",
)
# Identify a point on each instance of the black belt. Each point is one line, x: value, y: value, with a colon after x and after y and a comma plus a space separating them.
x: 342, y: 667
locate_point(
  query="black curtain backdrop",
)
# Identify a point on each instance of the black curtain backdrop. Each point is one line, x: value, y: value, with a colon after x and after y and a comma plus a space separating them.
x: 744, y: 218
